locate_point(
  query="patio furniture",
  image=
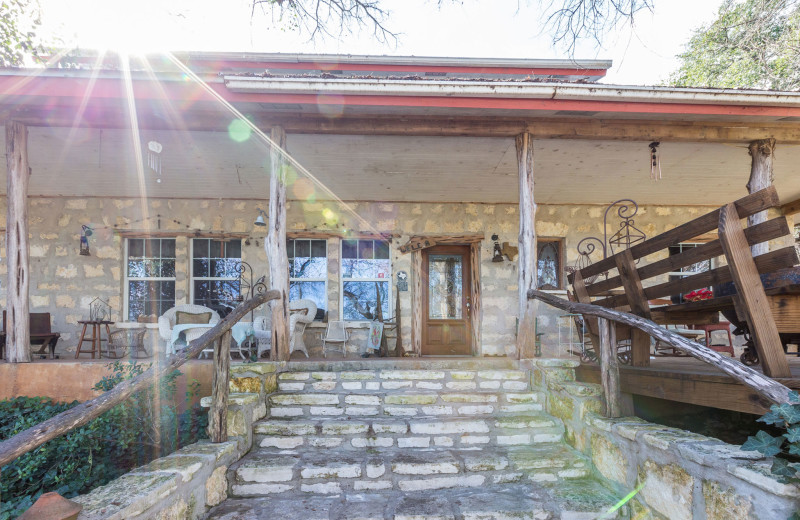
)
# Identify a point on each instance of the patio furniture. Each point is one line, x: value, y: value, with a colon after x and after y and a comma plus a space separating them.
x: 243, y: 337
x: 95, y: 339
x: 660, y: 349
x: 301, y: 313
x: 40, y: 334
x: 711, y: 327
x: 335, y: 334
x: 175, y: 333
x: 131, y: 341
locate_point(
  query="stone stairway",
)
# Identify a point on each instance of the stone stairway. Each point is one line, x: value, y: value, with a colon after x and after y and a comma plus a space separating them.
x: 458, y: 439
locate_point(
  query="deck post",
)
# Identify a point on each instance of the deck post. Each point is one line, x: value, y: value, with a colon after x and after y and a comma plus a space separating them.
x: 276, y: 246
x: 609, y: 367
x: 526, y: 264
x: 17, y: 249
x: 761, y: 176
x: 218, y: 411
x: 637, y: 301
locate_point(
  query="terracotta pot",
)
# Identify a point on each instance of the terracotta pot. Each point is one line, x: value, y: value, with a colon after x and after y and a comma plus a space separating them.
x: 52, y: 506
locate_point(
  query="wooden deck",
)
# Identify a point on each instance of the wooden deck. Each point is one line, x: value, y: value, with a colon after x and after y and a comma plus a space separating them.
x: 689, y: 380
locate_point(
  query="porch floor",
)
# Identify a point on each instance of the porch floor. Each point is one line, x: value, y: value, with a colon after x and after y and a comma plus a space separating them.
x: 689, y: 380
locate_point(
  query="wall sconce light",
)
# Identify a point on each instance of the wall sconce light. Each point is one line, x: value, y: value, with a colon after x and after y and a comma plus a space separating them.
x: 86, y: 232
x: 498, y: 254
x: 261, y: 219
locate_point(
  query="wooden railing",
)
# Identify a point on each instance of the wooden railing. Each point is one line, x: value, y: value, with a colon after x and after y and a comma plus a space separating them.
x: 60, y: 424
x: 770, y: 389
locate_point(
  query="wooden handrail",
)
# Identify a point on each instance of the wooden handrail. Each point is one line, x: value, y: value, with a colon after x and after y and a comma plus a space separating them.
x: 769, y: 388
x: 35, y: 436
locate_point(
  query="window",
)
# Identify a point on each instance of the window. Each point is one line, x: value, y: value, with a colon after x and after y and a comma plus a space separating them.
x: 150, y: 276
x: 308, y: 271
x: 699, y: 267
x: 366, y: 272
x: 549, y: 264
x: 216, y: 267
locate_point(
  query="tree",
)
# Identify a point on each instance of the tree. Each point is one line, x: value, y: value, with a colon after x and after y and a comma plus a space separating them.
x: 751, y: 44
x: 18, y: 22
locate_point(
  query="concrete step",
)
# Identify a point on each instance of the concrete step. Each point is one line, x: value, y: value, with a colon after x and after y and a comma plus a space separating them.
x: 585, y: 499
x: 411, y: 403
x: 411, y: 433
x: 321, y: 472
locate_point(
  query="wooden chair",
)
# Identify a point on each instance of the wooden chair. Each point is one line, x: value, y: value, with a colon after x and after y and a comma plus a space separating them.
x: 40, y: 333
x: 336, y: 334
x: 765, y: 313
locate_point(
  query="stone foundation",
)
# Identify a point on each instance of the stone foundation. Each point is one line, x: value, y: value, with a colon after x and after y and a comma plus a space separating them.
x: 677, y: 474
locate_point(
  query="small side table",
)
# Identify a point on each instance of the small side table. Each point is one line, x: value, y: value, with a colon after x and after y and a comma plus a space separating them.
x: 94, y: 338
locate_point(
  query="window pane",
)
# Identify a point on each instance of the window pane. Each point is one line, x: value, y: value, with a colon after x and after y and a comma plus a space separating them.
x: 349, y: 248
x: 214, y: 249
x: 381, y: 249
x: 548, y: 267
x: 152, y: 248
x: 150, y: 297
x: 136, y: 269
x: 167, y: 248
x: 445, y: 286
x: 302, y: 248
x: 200, y: 248
x: 361, y: 300
x: 319, y: 248
x: 366, y: 249
x: 233, y: 249
x: 168, y: 268
x: 314, y: 291
x: 201, y: 267
x: 135, y: 247
x: 309, y: 268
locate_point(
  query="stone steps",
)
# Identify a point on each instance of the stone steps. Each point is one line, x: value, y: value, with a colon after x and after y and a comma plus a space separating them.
x: 423, y: 432
x: 581, y: 499
x: 269, y: 471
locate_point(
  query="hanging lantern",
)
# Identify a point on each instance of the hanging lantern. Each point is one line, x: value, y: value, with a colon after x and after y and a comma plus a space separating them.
x: 86, y: 232
x: 655, y: 161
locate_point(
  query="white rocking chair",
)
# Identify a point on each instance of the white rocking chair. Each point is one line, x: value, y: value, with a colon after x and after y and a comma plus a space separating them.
x: 335, y: 334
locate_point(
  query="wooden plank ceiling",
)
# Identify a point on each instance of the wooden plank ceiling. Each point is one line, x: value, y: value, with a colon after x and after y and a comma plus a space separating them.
x: 94, y: 162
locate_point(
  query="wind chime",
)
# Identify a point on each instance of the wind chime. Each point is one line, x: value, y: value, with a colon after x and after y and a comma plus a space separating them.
x: 655, y: 161
x: 154, y: 158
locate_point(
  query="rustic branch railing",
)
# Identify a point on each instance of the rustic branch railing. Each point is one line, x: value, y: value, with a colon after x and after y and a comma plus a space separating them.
x: 768, y: 388
x: 60, y: 424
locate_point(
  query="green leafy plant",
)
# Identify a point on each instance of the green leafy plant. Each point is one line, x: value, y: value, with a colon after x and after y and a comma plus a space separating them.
x: 148, y: 425
x: 785, y: 448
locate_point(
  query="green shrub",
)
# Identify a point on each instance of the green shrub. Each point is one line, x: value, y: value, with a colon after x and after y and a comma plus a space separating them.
x: 145, y: 427
x: 784, y: 447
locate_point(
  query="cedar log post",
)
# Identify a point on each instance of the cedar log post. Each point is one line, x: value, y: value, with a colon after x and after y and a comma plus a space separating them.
x: 609, y: 367
x: 761, y: 176
x: 526, y: 264
x: 416, y: 303
x: 218, y: 411
x: 17, y: 252
x: 276, y: 246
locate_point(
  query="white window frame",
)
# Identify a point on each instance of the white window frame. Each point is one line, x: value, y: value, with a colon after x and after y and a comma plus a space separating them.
x: 327, y: 270
x: 684, y: 274
x: 129, y: 279
x: 192, y: 277
x: 342, y: 281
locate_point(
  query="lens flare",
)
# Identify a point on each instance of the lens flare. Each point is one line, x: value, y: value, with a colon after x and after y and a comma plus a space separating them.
x: 239, y: 131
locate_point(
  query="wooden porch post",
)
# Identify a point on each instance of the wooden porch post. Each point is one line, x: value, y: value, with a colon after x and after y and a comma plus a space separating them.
x: 761, y: 176
x: 18, y: 172
x: 276, y: 246
x: 526, y: 265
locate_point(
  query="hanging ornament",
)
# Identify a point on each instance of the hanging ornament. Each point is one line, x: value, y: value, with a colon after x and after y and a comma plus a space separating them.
x: 154, y: 157
x: 655, y: 162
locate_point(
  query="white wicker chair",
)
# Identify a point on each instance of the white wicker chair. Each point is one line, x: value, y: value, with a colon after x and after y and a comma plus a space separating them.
x: 262, y: 326
x: 166, y: 322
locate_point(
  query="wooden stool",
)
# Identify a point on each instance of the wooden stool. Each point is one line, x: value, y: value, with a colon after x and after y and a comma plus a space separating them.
x: 723, y: 325
x: 95, y: 337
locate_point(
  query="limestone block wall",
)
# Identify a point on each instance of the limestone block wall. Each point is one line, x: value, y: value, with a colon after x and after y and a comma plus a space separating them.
x: 676, y: 474
x: 64, y: 283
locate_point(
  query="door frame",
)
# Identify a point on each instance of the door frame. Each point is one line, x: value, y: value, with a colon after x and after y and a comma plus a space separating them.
x: 475, y: 311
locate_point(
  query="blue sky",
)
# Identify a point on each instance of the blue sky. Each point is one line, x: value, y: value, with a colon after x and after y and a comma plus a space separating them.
x: 498, y: 28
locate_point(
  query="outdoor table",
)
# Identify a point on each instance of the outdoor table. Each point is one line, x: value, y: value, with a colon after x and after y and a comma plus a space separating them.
x: 94, y: 338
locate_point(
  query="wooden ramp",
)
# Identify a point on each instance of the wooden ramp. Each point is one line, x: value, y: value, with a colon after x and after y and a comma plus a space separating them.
x: 689, y: 380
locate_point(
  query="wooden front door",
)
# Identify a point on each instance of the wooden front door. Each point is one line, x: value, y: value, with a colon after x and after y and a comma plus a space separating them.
x: 446, y: 300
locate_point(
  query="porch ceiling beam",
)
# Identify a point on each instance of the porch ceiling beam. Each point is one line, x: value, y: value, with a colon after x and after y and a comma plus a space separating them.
x: 495, y: 126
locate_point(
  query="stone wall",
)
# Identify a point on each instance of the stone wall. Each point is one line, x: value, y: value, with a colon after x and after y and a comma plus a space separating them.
x: 676, y: 474
x: 187, y: 483
x: 64, y: 283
